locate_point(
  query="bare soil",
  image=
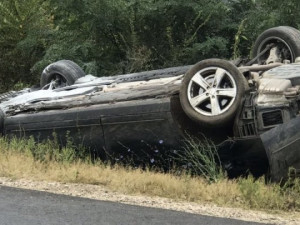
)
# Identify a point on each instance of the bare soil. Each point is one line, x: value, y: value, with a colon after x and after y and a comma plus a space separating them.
x: 98, y: 192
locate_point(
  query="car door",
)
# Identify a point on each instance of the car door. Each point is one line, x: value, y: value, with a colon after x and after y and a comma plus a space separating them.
x: 79, y: 125
x: 140, y: 126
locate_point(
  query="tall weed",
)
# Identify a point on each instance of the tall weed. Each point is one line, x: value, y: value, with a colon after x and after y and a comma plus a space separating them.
x: 200, y: 157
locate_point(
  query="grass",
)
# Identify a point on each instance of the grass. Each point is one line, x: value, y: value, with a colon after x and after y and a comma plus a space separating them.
x: 200, y: 157
x: 26, y: 159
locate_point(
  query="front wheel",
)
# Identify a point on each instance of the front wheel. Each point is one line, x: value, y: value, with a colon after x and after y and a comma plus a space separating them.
x: 212, y: 91
x: 60, y: 74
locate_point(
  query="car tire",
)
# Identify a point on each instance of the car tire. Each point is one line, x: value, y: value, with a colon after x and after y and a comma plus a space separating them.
x: 216, y: 104
x: 66, y: 70
x: 286, y: 38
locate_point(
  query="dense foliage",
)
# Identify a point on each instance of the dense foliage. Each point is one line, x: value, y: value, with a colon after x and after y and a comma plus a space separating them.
x: 119, y: 36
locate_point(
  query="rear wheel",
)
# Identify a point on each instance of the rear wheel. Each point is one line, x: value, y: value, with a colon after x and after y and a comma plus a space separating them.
x: 277, y: 45
x: 60, y: 74
x: 212, y: 91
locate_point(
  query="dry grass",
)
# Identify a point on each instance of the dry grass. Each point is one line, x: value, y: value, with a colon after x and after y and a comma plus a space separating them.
x: 125, y: 180
x: 246, y: 193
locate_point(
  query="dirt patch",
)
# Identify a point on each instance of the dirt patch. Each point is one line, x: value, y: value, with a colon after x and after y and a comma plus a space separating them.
x: 98, y: 192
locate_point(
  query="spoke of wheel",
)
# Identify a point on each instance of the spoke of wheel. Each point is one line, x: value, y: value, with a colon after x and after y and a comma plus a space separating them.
x: 219, y: 76
x: 198, y: 79
x: 198, y: 99
x: 228, y: 92
x: 215, y: 107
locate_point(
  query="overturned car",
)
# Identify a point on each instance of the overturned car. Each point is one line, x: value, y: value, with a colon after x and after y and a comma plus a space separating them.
x: 250, y: 109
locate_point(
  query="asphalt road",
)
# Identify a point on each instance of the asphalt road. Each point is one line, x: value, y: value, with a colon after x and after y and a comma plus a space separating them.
x: 25, y: 207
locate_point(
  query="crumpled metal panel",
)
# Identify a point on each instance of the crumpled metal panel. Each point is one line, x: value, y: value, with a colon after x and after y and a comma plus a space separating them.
x: 45, y: 95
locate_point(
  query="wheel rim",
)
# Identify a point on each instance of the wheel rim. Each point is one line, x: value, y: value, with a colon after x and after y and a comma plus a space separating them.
x: 57, y: 81
x: 212, y: 91
x: 284, y: 49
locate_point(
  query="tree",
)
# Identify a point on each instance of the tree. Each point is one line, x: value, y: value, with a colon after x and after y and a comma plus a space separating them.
x: 253, y: 17
x: 121, y: 36
x: 109, y: 37
x: 24, y: 33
